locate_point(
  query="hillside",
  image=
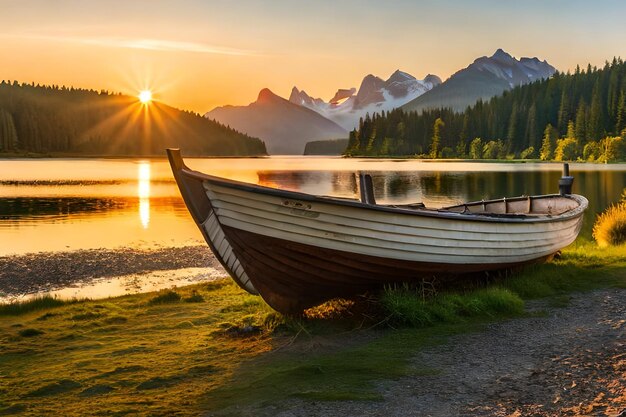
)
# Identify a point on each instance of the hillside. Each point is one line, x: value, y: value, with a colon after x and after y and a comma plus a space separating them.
x: 567, y: 117
x: 283, y: 126
x: 61, y: 120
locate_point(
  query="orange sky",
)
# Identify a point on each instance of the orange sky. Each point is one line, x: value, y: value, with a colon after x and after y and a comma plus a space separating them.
x: 200, y: 54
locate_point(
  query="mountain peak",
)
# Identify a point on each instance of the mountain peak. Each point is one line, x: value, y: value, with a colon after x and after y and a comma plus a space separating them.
x: 294, y: 97
x: 433, y: 79
x: 400, y: 76
x: 266, y: 95
x: 500, y: 54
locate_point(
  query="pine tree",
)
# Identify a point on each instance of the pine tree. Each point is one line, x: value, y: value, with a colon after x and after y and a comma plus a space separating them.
x: 476, y: 149
x: 620, y: 124
x: 547, y: 146
x: 571, y: 131
x: 8, y: 133
x: 564, y: 111
x: 511, y: 135
x: 531, y: 127
x: 595, y: 127
x: 436, y: 139
x: 581, y: 122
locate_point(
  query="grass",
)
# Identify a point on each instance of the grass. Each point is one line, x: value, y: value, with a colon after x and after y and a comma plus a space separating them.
x: 212, y: 348
x: 404, y: 306
x: 45, y: 302
x: 126, y: 355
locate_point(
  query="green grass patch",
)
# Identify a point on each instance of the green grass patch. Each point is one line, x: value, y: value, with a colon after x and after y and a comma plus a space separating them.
x: 404, y: 306
x: 582, y: 267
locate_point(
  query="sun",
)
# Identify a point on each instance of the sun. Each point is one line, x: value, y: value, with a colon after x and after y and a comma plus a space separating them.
x: 145, y: 96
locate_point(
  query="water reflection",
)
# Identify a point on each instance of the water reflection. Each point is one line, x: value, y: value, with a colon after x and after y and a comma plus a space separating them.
x: 143, y: 192
x: 51, y: 209
x: 51, y: 205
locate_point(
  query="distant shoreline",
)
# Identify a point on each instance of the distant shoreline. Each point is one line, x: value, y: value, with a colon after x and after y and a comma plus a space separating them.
x: 35, y: 156
x: 104, y: 156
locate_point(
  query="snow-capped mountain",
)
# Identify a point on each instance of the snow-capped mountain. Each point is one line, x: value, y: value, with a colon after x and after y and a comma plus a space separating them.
x: 484, y: 78
x: 374, y: 95
x: 283, y: 126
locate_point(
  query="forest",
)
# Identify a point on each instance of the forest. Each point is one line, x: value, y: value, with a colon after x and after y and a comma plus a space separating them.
x: 326, y: 147
x: 53, y: 120
x: 570, y: 116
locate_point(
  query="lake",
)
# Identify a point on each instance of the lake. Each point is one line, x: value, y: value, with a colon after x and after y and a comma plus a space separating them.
x: 69, y: 204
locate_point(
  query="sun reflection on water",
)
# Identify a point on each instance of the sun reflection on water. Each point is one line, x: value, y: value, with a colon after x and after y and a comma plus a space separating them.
x: 143, y: 192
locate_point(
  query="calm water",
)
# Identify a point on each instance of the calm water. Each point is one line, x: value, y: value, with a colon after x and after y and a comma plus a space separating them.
x: 55, y: 205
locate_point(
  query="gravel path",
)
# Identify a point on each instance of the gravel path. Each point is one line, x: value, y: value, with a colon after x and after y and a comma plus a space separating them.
x: 571, y: 362
x: 40, y: 272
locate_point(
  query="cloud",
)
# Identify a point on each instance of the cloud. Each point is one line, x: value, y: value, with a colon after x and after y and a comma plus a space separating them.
x: 147, y: 44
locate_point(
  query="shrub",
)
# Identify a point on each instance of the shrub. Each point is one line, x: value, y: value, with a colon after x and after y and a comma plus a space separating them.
x: 166, y: 297
x: 30, y: 332
x: 194, y: 298
x: 591, y: 152
x: 565, y: 149
x: 610, y: 227
x: 527, y: 153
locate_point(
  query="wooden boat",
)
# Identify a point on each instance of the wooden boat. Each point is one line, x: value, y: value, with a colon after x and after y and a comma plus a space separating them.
x: 298, y: 250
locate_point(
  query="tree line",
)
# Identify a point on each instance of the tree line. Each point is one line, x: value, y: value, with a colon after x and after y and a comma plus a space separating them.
x: 66, y: 120
x: 571, y: 116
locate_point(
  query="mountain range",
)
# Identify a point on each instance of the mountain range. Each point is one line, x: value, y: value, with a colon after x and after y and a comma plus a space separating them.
x: 374, y: 96
x: 486, y: 77
x: 287, y: 125
x: 283, y: 126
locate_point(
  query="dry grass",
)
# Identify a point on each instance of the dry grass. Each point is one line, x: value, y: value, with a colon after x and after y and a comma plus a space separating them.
x: 610, y: 227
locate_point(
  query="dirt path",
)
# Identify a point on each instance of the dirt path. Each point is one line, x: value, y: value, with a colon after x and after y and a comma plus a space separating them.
x: 570, y: 362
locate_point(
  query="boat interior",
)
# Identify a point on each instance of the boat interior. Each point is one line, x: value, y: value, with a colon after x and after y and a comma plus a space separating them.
x: 544, y: 205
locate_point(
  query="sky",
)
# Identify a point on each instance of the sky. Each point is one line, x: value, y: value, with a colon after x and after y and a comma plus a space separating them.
x: 199, y: 54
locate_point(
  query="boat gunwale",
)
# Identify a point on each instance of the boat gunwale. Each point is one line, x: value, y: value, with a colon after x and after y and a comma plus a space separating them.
x: 437, y: 213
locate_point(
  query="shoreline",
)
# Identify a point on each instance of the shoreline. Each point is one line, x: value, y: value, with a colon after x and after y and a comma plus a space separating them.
x: 43, y: 272
x: 31, y: 156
